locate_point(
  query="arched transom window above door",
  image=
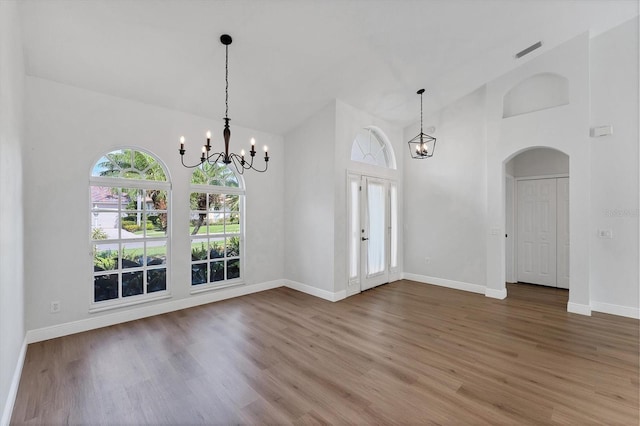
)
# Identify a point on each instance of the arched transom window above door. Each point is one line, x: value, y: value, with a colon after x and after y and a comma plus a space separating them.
x: 371, y: 146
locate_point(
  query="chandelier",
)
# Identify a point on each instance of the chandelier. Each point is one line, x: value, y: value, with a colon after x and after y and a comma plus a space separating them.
x: 241, y: 164
x: 423, y: 145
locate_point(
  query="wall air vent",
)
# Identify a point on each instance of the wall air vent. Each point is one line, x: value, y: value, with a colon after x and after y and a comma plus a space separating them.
x: 528, y: 50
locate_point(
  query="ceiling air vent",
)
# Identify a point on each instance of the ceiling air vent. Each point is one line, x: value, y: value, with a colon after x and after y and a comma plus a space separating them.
x: 528, y: 50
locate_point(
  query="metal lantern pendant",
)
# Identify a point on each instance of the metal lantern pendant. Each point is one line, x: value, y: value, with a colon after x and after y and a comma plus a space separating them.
x: 423, y: 145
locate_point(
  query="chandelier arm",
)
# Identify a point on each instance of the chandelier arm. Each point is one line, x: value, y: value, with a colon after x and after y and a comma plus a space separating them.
x: 215, y: 154
x: 189, y: 167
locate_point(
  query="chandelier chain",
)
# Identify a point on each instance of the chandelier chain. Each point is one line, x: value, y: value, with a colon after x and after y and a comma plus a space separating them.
x: 421, y: 113
x: 226, y: 79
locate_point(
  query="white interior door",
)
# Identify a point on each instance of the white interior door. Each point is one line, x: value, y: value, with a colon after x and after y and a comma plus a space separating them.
x: 563, y: 232
x: 375, y: 247
x: 537, y: 231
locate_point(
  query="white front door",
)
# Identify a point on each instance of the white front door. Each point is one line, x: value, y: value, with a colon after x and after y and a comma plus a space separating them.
x: 374, y: 233
x: 537, y: 231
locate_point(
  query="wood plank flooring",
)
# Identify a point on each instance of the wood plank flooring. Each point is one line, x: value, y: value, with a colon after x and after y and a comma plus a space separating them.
x: 401, y: 353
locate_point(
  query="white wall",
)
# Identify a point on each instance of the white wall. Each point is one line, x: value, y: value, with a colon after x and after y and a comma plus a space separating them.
x: 68, y: 129
x: 309, y: 201
x: 538, y: 162
x: 12, y: 324
x: 614, y: 170
x: 445, y: 198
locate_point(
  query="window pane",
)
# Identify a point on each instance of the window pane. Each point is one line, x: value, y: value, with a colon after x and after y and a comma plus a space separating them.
x: 198, y: 223
x: 104, y: 225
x: 105, y: 257
x: 233, y: 203
x: 132, y: 255
x: 233, y: 247
x: 216, y: 271
x: 156, y: 253
x: 155, y: 224
x: 394, y: 226
x: 354, y: 228
x: 198, y: 201
x: 105, y: 287
x: 131, y: 283
x: 199, y: 249
x: 156, y: 280
x: 217, y: 248
x: 376, y: 212
x: 155, y: 199
x: 233, y: 269
x: 198, y: 273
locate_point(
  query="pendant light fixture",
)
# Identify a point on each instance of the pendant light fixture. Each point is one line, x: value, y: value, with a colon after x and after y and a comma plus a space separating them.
x: 241, y: 164
x: 423, y: 145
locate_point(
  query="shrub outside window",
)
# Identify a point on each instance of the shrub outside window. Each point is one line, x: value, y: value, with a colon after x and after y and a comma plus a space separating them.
x: 129, y: 227
x: 216, y: 226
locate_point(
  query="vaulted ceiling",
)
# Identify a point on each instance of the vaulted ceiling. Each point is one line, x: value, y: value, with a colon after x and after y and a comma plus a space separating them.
x: 289, y: 58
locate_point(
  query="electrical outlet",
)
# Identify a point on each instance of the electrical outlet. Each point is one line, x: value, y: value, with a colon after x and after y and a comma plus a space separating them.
x: 55, y: 307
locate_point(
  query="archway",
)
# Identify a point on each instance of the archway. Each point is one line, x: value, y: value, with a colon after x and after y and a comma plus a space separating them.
x: 537, y: 219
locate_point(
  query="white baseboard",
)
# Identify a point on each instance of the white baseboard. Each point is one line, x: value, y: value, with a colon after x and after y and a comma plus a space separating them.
x: 13, y: 390
x: 495, y: 293
x: 106, y: 320
x: 442, y: 282
x: 623, y: 311
x: 578, y: 308
x: 317, y: 292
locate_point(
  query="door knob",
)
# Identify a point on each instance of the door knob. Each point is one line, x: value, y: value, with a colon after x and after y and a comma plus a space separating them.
x: 364, y: 239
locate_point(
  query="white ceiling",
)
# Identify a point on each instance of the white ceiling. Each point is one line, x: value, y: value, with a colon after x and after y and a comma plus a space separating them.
x: 289, y: 58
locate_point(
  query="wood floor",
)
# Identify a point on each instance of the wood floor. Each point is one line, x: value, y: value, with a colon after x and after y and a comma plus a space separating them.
x: 401, y: 353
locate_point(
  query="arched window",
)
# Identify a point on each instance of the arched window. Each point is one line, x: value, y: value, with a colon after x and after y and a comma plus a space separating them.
x: 216, y: 226
x: 129, y: 227
x: 371, y: 146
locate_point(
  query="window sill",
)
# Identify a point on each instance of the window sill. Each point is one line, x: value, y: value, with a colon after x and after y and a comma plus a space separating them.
x: 98, y: 308
x: 202, y: 289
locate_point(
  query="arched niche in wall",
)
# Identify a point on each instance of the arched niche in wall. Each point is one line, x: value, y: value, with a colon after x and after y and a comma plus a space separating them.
x: 371, y: 146
x: 535, y: 93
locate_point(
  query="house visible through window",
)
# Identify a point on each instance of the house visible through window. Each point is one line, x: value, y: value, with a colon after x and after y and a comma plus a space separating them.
x: 129, y: 227
x: 215, y: 226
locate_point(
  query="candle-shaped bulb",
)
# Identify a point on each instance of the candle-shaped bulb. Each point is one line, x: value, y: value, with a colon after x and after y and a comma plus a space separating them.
x: 181, y: 142
x: 208, y: 135
x: 253, y: 142
x: 265, y: 148
x: 242, y: 153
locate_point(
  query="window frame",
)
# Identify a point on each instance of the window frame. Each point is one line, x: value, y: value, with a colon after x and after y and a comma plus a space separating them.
x: 128, y: 183
x: 385, y: 148
x: 240, y: 191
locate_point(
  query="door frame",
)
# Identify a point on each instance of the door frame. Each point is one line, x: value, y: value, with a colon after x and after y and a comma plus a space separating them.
x: 515, y: 214
x: 354, y: 283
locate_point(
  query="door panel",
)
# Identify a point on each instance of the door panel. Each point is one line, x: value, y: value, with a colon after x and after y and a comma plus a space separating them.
x: 537, y: 231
